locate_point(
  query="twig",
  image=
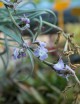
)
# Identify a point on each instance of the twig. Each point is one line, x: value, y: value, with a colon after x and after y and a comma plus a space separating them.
x: 76, y: 78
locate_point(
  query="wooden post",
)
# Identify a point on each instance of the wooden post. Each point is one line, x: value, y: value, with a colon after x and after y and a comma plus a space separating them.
x: 61, y: 19
x: 60, y: 6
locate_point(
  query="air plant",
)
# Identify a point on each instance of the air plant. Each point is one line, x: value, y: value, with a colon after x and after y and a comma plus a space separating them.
x: 13, y: 21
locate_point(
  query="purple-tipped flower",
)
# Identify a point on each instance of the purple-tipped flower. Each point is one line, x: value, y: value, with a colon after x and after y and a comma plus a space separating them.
x: 41, y: 51
x: 63, y: 69
x: 42, y: 44
x: 27, y: 26
x: 59, y: 65
x: 18, y: 53
x: 15, y: 53
x: 25, y: 20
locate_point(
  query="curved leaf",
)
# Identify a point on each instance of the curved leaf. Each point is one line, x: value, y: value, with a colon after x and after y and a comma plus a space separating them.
x: 10, y: 33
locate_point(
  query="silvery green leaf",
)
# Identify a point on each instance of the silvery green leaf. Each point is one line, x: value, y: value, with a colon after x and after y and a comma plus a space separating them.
x: 31, y: 58
x: 9, y: 32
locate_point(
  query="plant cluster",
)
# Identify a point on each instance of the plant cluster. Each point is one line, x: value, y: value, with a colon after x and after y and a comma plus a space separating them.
x: 14, y: 21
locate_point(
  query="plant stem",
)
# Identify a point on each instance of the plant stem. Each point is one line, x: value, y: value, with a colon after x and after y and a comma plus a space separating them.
x: 14, y: 22
x: 76, y: 78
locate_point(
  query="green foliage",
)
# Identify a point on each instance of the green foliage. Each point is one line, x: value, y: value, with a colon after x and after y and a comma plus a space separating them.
x: 43, y: 88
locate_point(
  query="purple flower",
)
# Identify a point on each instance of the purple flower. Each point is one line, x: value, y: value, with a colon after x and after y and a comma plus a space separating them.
x: 42, y: 44
x: 59, y: 65
x: 21, y: 54
x: 27, y: 26
x: 63, y: 69
x: 26, y: 20
x: 15, y: 53
x: 41, y: 51
x: 18, y: 53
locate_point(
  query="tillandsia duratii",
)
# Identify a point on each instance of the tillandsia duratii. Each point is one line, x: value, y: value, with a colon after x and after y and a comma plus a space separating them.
x: 14, y: 21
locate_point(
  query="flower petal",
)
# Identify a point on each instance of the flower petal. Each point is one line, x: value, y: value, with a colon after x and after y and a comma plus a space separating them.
x: 36, y: 52
x: 44, y: 49
x: 59, y: 65
x: 41, y: 51
x: 42, y: 44
x: 43, y: 57
x: 15, y: 53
